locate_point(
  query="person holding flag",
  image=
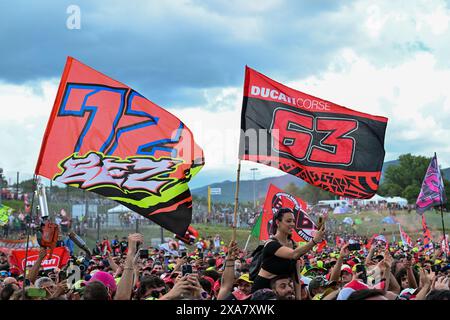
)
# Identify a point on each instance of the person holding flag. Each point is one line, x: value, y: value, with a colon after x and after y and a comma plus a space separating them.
x: 280, y: 254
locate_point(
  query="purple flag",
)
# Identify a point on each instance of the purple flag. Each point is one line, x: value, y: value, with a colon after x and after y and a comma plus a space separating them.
x: 432, y: 192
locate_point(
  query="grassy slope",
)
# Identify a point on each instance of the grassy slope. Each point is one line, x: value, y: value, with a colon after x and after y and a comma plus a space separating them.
x: 411, y: 223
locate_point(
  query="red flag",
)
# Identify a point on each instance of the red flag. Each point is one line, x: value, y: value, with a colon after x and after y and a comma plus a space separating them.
x: 276, y: 199
x: 321, y: 246
x: 405, y: 238
x: 445, y: 245
x: 427, y: 243
x: 104, y: 137
x: 329, y: 146
x: 190, y: 236
x: 369, y: 243
x: 60, y: 257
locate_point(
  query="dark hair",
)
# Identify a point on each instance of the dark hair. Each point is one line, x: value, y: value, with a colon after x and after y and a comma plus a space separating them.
x: 211, y: 262
x: 404, y: 273
x: 273, y: 281
x: 212, y: 273
x: 7, y: 292
x: 95, y: 291
x: 365, y: 294
x: 278, y: 216
x: 206, y: 285
x: 439, y: 295
x: 148, y: 282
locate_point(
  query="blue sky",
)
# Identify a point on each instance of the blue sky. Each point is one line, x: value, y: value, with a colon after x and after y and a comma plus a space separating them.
x: 386, y: 58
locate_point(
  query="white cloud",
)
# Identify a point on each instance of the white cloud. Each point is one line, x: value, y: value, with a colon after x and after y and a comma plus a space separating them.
x: 395, y: 64
x: 25, y: 110
x: 401, y: 93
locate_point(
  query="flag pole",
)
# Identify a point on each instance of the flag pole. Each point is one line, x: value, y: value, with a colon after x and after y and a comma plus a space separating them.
x: 442, y: 204
x: 27, y: 227
x: 248, y: 240
x: 443, y: 227
x: 236, y: 200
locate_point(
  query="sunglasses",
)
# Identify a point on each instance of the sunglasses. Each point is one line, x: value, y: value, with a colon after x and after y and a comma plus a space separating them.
x: 156, y: 292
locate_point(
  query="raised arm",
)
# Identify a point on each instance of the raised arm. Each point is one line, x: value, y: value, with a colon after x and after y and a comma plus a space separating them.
x: 228, y: 274
x: 125, y: 286
x: 424, y: 284
x: 293, y: 254
x: 411, y: 278
x: 111, y: 262
x: 391, y: 282
x: 32, y: 276
x: 336, y: 271
x: 368, y: 260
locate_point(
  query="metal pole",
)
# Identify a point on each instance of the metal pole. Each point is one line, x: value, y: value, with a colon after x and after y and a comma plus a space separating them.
x: 162, y: 235
x: 236, y: 200
x: 27, y: 226
x: 98, y: 225
x: 137, y: 225
x: 86, y: 213
x: 17, y: 186
x: 443, y: 228
x: 1, y: 185
x: 254, y: 187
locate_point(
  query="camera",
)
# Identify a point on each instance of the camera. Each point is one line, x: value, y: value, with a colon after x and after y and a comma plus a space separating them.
x: 360, y: 268
x: 186, y: 269
x: 354, y: 247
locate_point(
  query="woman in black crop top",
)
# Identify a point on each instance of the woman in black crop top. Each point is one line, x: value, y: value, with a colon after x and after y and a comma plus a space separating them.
x: 280, y: 255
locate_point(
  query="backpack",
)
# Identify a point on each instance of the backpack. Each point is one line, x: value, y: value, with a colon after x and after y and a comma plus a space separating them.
x: 257, y: 259
x: 256, y: 263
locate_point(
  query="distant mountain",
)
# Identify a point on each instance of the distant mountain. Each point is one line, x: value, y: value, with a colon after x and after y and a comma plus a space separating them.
x: 261, y: 186
x: 446, y: 173
x: 246, y: 188
x: 386, y: 165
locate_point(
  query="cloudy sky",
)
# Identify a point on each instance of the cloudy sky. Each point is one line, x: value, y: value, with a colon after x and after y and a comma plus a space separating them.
x: 388, y: 58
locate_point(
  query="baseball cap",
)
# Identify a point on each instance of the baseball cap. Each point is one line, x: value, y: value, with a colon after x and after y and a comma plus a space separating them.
x: 245, y: 277
x: 106, y: 278
x: 346, y: 268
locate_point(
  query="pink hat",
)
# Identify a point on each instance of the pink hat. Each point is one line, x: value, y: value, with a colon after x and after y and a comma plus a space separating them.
x: 106, y: 278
